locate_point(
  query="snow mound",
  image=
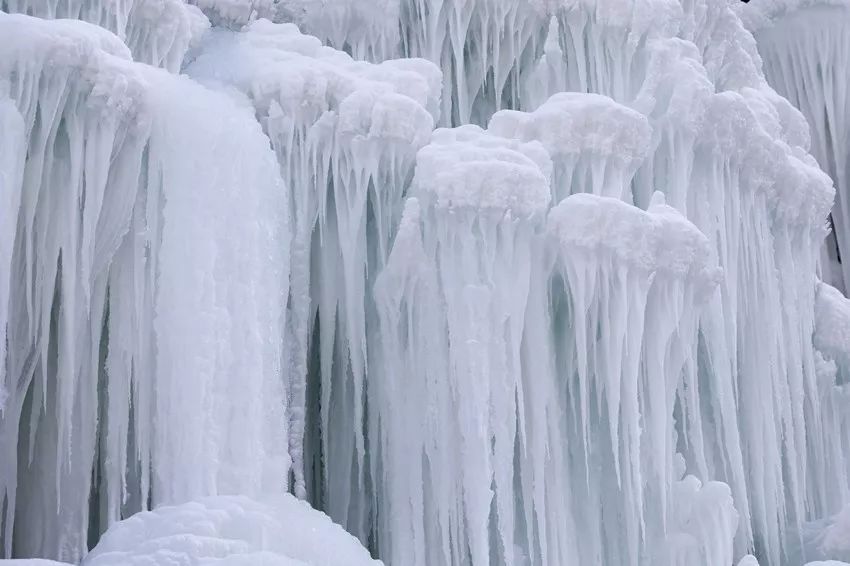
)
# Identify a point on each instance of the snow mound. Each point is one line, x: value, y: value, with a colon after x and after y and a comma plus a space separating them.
x: 832, y: 323
x: 468, y: 167
x: 231, y: 531
x: 276, y: 62
x: 595, y: 143
x: 572, y: 123
x: 158, y: 32
x: 659, y: 239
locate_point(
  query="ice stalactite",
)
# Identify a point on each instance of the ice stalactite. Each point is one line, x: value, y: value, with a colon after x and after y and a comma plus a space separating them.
x: 605, y: 47
x: 632, y: 282
x: 120, y: 370
x: 483, y: 48
x: 158, y: 32
x: 367, y: 30
x: 766, y: 216
x: 452, y: 301
x: 81, y: 123
x: 803, y: 46
x: 346, y: 135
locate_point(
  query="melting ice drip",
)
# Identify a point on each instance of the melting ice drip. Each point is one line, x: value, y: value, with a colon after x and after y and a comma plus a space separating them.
x: 580, y: 323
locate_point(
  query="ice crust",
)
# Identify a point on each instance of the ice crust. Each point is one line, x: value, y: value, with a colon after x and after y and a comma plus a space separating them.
x: 579, y: 322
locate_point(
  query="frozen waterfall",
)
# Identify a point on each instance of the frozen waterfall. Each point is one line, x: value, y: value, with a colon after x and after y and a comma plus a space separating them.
x: 479, y: 282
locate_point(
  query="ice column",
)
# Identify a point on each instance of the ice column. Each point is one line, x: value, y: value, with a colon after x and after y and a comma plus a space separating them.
x: 452, y: 303
x: 630, y: 282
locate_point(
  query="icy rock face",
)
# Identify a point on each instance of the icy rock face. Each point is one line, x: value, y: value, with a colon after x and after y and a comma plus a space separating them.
x: 809, y: 68
x: 158, y: 32
x: 230, y: 531
x: 118, y: 360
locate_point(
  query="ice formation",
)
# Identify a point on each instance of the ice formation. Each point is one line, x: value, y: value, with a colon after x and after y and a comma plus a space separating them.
x: 490, y: 282
x: 811, y: 71
x: 94, y: 285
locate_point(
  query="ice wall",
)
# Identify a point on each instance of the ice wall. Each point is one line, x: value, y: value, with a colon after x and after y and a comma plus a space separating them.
x: 579, y: 323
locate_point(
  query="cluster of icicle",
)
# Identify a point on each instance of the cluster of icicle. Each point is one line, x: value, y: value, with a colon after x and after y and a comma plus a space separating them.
x: 578, y: 323
x: 813, y: 72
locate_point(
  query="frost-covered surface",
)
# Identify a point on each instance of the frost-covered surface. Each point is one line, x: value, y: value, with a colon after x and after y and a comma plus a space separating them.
x: 591, y: 333
x: 277, y: 531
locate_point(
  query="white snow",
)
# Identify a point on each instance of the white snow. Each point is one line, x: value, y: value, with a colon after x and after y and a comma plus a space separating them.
x: 158, y: 32
x: 277, y: 531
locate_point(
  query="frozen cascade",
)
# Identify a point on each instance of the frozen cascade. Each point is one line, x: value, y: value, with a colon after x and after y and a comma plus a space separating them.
x: 321, y: 294
x: 810, y: 69
x: 120, y: 364
x: 345, y: 133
